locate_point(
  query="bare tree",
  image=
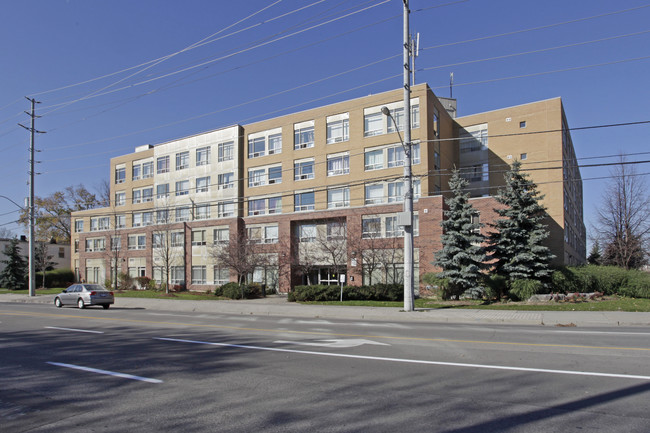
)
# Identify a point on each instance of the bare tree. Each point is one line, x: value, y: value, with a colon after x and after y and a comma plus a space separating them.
x: 113, y: 253
x: 168, y: 243
x: 331, y: 242
x: 103, y: 189
x: 241, y: 254
x: 43, y: 262
x: 5, y: 233
x: 623, y: 226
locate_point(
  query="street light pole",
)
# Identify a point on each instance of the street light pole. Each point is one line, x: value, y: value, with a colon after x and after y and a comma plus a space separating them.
x: 406, y: 217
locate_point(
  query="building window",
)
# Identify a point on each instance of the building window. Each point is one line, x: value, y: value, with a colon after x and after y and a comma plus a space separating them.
x: 136, y: 194
x: 395, y: 192
x: 202, y: 184
x: 474, y: 139
x: 120, y: 174
x: 202, y: 212
x: 522, y: 124
x: 221, y: 275
x: 120, y: 221
x: 304, y: 201
x: 374, y: 159
x: 226, y: 180
x: 100, y: 223
x: 338, y: 197
x: 95, y: 245
x: 436, y: 122
x: 303, y: 169
x: 147, y: 194
x: 162, y: 164
x: 523, y: 156
x: 178, y: 239
x: 392, y: 230
x: 79, y: 226
x: 257, y: 147
x: 275, y: 205
x: 225, y: 209
x: 221, y: 236
x: 203, y: 156
x: 137, y: 171
x: 303, y: 135
x: 116, y: 243
x: 374, y: 193
x: 373, y: 124
x: 336, y: 230
x: 162, y: 190
x: 226, y: 151
x: 158, y: 240
x: 198, y: 275
x: 371, y: 227
x: 182, y: 187
x: 76, y: 245
x: 307, y: 232
x: 136, y: 242
x: 147, y: 218
x: 275, y: 174
x: 475, y: 173
x: 177, y: 275
x: 338, y: 164
x: 198, y: 238
x: 182, y: 160
x: 275, y: 144
x: 147, y: 169
x: 263, y: 234
x: 338, y: 128
x: 120, y: 198
x: 182, y: 214
x: 162, y: 216
x: 256, y: 177
x: 256, y: 206
x: 395, y: 156
x: 137, y: 219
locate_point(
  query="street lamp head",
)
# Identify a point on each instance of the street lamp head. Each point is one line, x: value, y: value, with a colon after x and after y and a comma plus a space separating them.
x: 385, y: 111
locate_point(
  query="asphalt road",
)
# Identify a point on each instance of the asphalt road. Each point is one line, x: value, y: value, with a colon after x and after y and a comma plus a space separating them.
x: 117, y: 370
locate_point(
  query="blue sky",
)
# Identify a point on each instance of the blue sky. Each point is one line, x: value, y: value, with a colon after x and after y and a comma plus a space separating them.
x: 267, y: 58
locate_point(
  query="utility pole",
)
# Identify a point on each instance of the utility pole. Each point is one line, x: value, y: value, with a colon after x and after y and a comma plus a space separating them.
x: 33, y: 131
x: 407, y: 218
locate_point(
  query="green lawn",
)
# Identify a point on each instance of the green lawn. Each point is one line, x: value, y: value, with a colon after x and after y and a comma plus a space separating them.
x: 608, y: 304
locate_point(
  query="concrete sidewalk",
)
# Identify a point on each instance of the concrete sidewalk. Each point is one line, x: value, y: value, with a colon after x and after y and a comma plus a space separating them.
x: 278, y: 306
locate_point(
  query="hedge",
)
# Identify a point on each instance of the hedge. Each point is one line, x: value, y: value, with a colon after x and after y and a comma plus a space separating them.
x: 55, y: 278
x: 234, y: 291
x: 378, y: 292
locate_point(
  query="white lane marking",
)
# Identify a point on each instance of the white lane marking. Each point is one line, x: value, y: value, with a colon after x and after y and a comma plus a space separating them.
x: 603, y: 332
x: 75, y: 330
x: 412, y: 361
x: 333, y: 343
x: 109, y: 373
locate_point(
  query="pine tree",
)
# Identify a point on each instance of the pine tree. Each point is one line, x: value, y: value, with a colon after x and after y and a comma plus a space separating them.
x: 595, y: 255
x: 13, y: 276
x: 462, y: 257
x: 517, y: 244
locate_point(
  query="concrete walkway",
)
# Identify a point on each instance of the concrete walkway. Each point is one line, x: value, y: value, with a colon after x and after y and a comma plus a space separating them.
x: 279, y: 307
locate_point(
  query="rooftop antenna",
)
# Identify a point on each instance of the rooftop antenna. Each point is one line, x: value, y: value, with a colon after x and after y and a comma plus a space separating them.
x: 451, y: 85
x: 415, y: 51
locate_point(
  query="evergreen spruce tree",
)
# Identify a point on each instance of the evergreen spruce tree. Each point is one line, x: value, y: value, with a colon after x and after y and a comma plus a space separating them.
x: 595, y: 255
x: 462, y: 256
x: 517, y: 244
x: 13, y: 276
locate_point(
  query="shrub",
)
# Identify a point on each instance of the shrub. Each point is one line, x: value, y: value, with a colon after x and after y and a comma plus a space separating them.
x: 56, y: 278
x: 235, y: 291
x: 637, y: 285
x: 143, y: 282
x: 495, y: 286
x: 524, y: 289
x: 125, y: 281
x: 378, y: 292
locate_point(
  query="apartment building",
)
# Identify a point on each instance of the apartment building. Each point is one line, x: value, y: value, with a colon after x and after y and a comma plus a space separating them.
x: 315, y: 194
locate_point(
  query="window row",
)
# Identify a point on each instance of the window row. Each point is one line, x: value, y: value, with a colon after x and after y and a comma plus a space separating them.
x: 385, y: 226
x: 378, y: 158
x: 181, y: 160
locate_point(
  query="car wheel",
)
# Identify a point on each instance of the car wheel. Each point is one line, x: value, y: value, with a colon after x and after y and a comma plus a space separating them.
x: 106, y: 306
x: 80, y: 304
x: 57, y: 302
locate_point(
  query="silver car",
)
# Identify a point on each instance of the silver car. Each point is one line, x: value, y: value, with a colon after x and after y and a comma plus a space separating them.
x: 83, y: 295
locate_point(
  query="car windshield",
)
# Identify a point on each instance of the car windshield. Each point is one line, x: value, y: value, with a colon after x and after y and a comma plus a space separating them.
x: 95, y: 287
